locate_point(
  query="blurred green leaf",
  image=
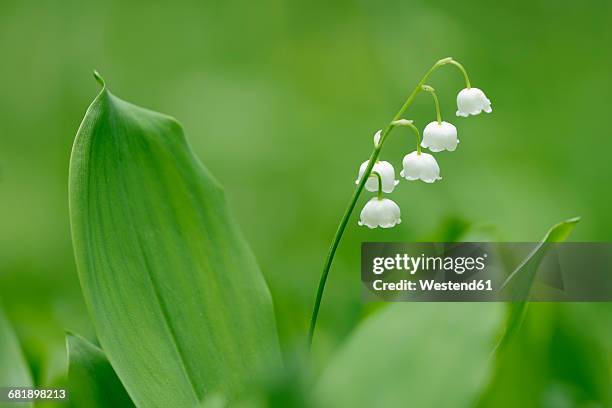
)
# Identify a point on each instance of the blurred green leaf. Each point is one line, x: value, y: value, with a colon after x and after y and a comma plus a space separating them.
x: 179, y: 304
x: 557, y: 359
x: 61, y: 381
x: 93, y: 382
x: 14, y: 371
x: 522, y: 278
x: 414, y: 354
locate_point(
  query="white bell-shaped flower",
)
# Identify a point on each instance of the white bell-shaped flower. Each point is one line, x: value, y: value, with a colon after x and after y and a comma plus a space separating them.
x: 420, y: 167
x: 440, y: 136
x: 472, y: 101
x: 387, y: 175
x: 380, y: 212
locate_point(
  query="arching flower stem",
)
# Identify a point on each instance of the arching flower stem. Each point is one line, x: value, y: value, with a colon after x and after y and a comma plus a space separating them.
x: 408, y: 123
x: 353, y: 201
x: 432, y: 91
x: 463, y: 71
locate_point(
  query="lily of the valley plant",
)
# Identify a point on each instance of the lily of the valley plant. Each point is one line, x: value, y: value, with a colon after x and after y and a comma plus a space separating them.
x: 379, y: 176
x: 181, y: 311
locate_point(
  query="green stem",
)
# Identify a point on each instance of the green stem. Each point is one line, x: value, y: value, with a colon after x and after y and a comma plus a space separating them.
x: 432, y: 91
x: 408, y: 123
x: 465, y: 75
x: 353, y: 201
x: 380, y: 192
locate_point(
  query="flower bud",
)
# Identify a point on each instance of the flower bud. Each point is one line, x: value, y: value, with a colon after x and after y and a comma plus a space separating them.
x: 377, y: 138
x: 440, y: 136
x: 420, y: 167
x: 472, y: 101
x: 382, y: 212
x: 387, y: 175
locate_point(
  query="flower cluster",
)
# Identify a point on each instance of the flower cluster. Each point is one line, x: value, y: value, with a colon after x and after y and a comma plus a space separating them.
x: 417, y: 165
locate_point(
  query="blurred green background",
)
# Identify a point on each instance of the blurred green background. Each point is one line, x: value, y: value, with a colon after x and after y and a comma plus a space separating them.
x: 280, y: 100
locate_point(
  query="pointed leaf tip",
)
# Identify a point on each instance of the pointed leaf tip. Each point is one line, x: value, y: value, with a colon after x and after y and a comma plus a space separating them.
x: 99, y: 78
x: 561, y: 231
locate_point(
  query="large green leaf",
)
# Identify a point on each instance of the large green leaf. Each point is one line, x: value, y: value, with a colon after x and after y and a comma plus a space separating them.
x: 414, y: 354
x: 93, y: 382
x: 179, y: 304
x: 522, y: 278
x: 14, y: 371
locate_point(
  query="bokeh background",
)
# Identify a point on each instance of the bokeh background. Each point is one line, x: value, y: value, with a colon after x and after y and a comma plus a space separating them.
x: 280, y: 100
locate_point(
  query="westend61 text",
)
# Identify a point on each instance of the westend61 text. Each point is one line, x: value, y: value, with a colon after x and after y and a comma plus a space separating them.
x: 432, y: 285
